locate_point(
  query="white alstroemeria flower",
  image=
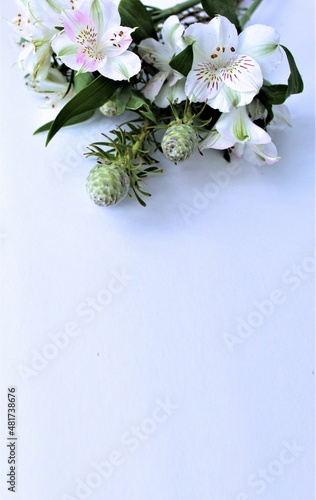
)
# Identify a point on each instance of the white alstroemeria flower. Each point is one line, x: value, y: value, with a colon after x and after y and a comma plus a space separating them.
x: 94, y: 40
x: 52, y: 88
x: 48, y: 12
x: 236, y: 130
x: 29, y: 26
x: 228, y: 68
x: 168, y: 84
x: 35, y: 61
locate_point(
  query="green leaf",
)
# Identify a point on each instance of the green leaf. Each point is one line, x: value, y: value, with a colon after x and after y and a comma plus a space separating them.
x: 122, y: 97
x: 135, y: 102
x: 138, y: 103
x: 134, y: 14
x: 271, y: 95
x: 88, y: 99
x: 82, y: 80
x: 183, y: 61
x: 295, y: 82
x: 225, y: 8
x: 73, y: 121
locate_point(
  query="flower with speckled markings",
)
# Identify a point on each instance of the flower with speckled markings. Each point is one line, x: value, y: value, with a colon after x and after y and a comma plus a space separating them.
x: 228, y: 69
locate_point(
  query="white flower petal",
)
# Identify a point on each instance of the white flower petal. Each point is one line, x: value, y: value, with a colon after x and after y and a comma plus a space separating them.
x: 215, y: 140
x: 242, y: 73
x: 260, y: 154
x: 172, y: 31
x: 105, y: 15
x: 237, y: 126
x: 153, y: 87
x: 202, y: 83
x: 156, y: 54
x: 227, y: 99
x: 119, y: 41
x: 171, y: 94
x: 122, y: 67
x: 218, y: 38
x: 262, y: 44
x: 66, y: 50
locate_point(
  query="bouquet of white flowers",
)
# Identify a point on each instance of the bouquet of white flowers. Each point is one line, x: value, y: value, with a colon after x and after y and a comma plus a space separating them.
x: 193, y: 71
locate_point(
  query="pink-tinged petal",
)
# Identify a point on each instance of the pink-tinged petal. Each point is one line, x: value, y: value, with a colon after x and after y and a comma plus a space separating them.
x: 119, y: 41
x: 87, y: 63
x: 215, y: 140
x: 122, y: 67
x: 203, y: 83
x: 262, y: 44
x: 78, y: 23
x: 236, y: 125
x: 172, y: 31
x: 174, y: 94
x: 153, y: 87
x: 156, y: 54
x: 243, y: 74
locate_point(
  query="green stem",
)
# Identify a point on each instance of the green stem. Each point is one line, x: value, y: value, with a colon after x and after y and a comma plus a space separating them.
x: 138, y: 144
x: 247, y: 15
x: 177, y: 9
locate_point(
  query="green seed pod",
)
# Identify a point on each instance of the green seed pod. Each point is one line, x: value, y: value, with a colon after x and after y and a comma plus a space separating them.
x: 107, y: 184
x: 179, y: 142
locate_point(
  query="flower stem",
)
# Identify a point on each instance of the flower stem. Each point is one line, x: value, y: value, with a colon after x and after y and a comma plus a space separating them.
x: 247, y: 15
x: 177, y: 9
x: 138, y: 144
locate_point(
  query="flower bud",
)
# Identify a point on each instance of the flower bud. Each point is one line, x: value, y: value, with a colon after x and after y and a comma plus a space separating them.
x: 107, y: 184
x: 179, y: 142
x: 109, y: 108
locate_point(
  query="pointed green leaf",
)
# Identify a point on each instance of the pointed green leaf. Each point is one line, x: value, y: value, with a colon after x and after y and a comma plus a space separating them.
x: 295, y: 82
x: 134, y: 14
x: 73, y: 121
x: 271, y: 95
x: 90, y: 98
x: 183, y: 61
x: 225, y: 8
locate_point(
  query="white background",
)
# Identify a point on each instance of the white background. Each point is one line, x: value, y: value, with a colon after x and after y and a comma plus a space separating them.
x: 189, y: 282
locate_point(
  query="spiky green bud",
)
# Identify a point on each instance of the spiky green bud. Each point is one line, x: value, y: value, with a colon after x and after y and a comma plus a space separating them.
x: 179, y: 142
x: 107, y: 184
